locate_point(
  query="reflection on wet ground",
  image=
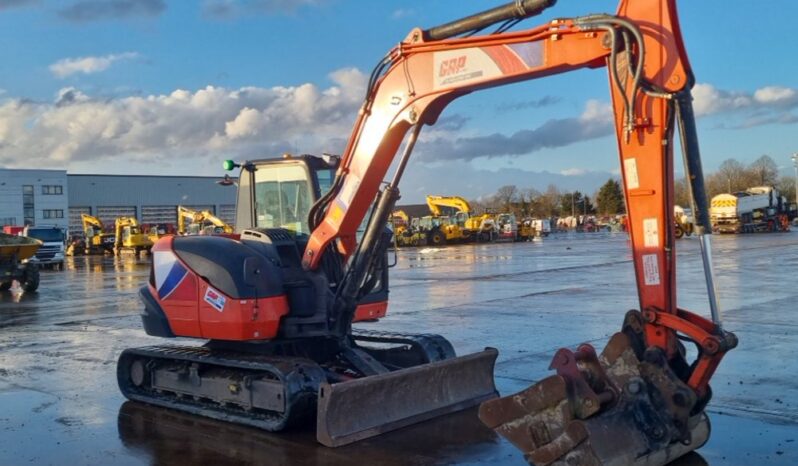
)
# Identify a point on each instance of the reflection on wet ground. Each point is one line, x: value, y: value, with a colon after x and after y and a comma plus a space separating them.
x: 59, y: 402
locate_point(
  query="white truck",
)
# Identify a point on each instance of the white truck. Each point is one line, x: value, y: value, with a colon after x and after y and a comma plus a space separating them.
x: 757, y: 209
x: 52, y: 251
x: 542, y: 226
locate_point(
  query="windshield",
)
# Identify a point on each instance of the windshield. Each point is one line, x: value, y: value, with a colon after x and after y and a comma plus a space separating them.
x: 326, y: 176
x: 283, y: 198
x: 47, y: 235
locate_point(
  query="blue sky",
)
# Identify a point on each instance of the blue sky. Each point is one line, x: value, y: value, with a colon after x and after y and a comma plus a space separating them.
x: 119, y: 86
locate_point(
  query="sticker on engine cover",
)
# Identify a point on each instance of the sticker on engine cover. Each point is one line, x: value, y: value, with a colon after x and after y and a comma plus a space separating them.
x: 215, y: 299
x: 650, y: 233
x: 630, y: 173
x: 650, y: 269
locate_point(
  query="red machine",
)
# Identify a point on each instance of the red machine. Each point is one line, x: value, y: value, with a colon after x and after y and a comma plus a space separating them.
x: 277, y: 305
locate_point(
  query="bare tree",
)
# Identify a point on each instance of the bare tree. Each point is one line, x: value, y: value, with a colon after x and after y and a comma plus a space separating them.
x: 506, y: 196
x: 733, y: 174
x: 681, y: 193
x: 786, y: 188
x: 547, y: 203
x: 528, y: 198
x: 764, y: 171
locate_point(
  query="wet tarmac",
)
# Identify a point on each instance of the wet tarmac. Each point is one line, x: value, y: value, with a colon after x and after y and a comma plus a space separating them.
x: 59, y: 403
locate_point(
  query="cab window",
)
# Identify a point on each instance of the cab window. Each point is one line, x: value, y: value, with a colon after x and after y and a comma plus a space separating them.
x: 283, y: 198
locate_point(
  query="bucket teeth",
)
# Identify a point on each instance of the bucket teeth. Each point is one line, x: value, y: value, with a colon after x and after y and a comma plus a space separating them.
x: 612, y: 409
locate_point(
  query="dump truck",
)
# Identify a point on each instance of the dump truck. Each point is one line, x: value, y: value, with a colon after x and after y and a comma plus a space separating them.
x: 755, y: 210
x: 52, y: 250
x: 14, y: 251
x: 274, y: 306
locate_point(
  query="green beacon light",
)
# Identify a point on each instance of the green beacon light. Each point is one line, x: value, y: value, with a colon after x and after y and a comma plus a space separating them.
x: 229, y: 165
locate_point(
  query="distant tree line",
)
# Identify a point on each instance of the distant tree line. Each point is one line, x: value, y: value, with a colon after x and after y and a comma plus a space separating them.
x: 731, y: 176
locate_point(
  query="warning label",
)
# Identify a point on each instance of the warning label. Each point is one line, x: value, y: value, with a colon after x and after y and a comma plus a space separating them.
x: 351, y: 185
x: 650, y: 233
x: 650, y: 269
x: 630, y: 172
x: 215, y: 299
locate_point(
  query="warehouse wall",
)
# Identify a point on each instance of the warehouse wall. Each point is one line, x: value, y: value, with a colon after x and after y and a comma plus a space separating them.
x: 151, y: 199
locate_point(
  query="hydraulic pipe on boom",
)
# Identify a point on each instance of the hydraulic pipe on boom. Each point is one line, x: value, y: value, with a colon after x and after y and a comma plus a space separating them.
x: 518, y: 10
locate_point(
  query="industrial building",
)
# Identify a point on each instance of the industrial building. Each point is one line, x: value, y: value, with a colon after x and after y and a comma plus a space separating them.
x: 55, y: 197
x: 34, y: 197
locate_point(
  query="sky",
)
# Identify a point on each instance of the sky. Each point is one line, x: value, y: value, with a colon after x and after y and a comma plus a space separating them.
x: 177, y: 86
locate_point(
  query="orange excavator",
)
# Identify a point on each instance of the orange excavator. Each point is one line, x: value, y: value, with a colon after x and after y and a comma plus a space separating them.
x: 276, y: 306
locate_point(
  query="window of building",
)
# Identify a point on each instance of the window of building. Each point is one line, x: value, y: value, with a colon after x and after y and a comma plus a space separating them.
x: 27, y: 204
x: 53, y: 213
x: 52, y: 189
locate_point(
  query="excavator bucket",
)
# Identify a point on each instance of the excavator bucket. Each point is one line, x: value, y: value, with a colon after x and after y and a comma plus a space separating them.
x: 362, y: 408
x: 613, y: 409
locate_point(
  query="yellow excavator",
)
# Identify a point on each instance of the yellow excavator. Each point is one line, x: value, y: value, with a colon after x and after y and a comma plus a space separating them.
x: 200, y: 222
x: 97, y: 240
x: 401, y: 228
x: 129, y: 236
x: 473, y: 227
x: 451, y: 227
x: 400, y: 221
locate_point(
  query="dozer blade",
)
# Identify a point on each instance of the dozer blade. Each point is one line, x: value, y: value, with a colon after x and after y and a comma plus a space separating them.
x: 610, y: 410
x: 362, y: 408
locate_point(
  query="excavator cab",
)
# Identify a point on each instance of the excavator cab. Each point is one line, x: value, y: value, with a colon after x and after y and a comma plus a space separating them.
x: 280, y: 341
x: 281, y: 196
x: 278, y: 194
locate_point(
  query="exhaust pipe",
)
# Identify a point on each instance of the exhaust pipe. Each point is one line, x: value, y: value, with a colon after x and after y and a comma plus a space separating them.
x: 519, y: 9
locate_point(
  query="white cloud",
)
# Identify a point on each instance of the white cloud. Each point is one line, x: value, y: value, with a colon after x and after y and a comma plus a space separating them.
x: 766, y: 105
x: 573, y: 172
x: 88, y: 65
x: 226, y: 9
x: 595, y: 121
x: 248, y: 121
x: 403, y: 13
x: 775, y: 95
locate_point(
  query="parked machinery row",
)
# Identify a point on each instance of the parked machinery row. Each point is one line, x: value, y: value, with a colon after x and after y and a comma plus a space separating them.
x: 127, y: 234
x: 453, y: 220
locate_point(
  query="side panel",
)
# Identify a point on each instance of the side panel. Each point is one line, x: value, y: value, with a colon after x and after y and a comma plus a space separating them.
x: 175, y: 288
x: 371, y: 311
x: 225, y: 318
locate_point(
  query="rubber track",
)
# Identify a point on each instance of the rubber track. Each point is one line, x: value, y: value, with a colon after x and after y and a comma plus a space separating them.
x: 300, y: 377
x: 434, y: 346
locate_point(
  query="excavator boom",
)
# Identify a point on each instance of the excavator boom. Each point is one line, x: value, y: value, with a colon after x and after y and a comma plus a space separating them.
x: 186, y: 218
x: 650, y: 80
x: 455, y: 202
